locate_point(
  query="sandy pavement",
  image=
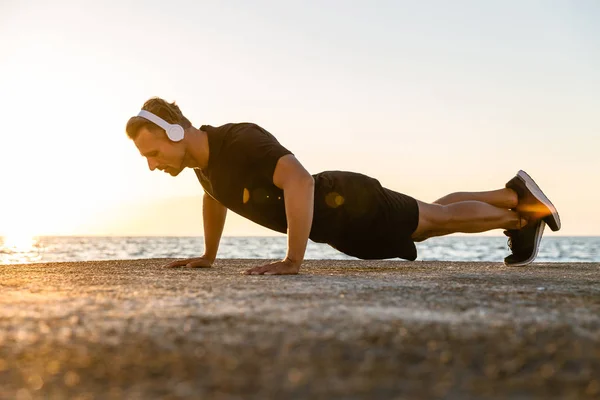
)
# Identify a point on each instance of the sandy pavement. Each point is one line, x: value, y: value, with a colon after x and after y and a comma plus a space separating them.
x: 341, y: 329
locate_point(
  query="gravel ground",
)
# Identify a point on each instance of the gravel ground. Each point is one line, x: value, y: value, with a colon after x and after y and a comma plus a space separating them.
x: 341, y: 329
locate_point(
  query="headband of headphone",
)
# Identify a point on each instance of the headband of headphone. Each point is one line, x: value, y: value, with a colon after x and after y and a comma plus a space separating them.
x: 174, y: 131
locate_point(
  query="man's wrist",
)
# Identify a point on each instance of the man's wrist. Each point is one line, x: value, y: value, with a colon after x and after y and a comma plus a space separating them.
x: 293, y: 260
x: 209, y: 258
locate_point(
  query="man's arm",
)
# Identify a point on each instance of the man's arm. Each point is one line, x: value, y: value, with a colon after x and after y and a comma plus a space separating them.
x: 213, y: 214
x: 299, y: 191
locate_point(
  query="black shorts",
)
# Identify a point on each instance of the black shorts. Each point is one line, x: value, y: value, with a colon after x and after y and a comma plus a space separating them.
x: 356, y: 215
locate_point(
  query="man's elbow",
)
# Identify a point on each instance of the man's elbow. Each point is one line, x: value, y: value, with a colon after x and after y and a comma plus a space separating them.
x: 303, y: 182
x: 307, y: 181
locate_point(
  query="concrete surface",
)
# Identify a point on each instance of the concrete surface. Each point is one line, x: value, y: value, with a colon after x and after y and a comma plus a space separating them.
x: 341, y: 329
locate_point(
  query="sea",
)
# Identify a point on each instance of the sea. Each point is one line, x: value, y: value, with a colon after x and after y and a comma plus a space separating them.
x: 42, y: 249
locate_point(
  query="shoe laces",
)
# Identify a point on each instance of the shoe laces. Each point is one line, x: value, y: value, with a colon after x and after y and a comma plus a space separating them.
x: 511, y: 236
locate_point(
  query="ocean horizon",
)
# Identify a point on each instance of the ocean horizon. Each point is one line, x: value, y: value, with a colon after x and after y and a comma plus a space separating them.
x: 41, y: 249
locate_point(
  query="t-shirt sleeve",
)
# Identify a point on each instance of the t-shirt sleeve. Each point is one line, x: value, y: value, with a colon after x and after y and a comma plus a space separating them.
x: 259, y: 150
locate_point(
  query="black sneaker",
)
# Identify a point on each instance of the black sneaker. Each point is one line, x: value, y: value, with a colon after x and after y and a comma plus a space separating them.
x: 524, y: 243
x: 533, y: 203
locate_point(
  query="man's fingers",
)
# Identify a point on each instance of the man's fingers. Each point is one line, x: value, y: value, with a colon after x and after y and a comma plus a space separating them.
x: 257, y: 270
x: 174, y: 264
x: 273, y: 269
x: 281, y: 270
x: 186, y: 262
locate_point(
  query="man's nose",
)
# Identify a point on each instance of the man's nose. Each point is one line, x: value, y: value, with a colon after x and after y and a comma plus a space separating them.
x: 152, y: 164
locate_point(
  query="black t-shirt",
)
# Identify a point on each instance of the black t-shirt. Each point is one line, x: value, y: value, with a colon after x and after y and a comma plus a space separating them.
x: 352, y: 212
x: 239, y: 175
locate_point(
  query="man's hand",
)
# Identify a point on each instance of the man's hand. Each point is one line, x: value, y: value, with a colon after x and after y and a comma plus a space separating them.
x: 285, y: 267
x: 299, y: 194
x: 198, y: 262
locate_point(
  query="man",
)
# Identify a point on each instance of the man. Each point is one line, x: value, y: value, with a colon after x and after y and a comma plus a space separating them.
x: 242, y: 167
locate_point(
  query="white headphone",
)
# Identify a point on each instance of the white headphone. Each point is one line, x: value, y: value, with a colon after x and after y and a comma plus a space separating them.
x: 175, y: 132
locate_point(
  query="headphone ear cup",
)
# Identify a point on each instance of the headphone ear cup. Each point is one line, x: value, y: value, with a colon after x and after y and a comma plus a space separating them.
x: 175, y: 133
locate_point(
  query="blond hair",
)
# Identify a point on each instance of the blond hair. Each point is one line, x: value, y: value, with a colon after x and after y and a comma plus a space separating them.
x: 170, y: 112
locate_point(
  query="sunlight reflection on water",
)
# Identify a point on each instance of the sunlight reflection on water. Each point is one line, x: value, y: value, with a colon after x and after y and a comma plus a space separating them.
x: 20, y: 249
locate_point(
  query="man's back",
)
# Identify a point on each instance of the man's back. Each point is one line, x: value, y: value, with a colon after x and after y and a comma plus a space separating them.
x: 347, y: 205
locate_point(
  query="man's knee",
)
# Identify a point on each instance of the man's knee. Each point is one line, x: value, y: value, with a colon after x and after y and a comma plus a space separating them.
x: 449, y: 198
x: 434, y: 220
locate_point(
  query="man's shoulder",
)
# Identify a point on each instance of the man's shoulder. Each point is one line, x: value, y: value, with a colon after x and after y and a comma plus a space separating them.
x: 231, y: 127
x: 241, y: 133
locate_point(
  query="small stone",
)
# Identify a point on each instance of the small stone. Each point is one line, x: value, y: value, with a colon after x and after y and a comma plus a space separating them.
x: 71, y: 378
x: 199, y: 352
x: 491, y: 371
x: 35, y: 382
x: 23, y: 394
x: 445, y: 357
x: 53, y: 367
x: 294, y: 376
x: 551, y: 348
x: 44, y: 328
x: 593, y: 388
x: 547, y: 370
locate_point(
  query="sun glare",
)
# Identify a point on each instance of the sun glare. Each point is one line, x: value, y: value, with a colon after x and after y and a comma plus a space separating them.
x: 19, y: 241
x: 19, y: 247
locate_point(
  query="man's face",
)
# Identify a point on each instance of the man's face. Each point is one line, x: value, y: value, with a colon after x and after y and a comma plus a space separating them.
x: 160, y: 152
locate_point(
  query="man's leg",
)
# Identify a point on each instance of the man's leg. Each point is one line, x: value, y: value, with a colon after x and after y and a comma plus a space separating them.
x: 504, y: 198
x: 472, y: 212
x: 469, y: 216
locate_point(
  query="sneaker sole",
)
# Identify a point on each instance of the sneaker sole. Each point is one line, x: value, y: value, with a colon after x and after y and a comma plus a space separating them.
x: 538, y: 238
x: 553, y: 220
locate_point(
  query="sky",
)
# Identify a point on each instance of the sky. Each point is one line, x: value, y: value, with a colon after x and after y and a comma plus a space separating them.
x: 429, y: 97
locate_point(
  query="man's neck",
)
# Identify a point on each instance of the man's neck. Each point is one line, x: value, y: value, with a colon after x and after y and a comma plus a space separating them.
x: 197, y: 147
